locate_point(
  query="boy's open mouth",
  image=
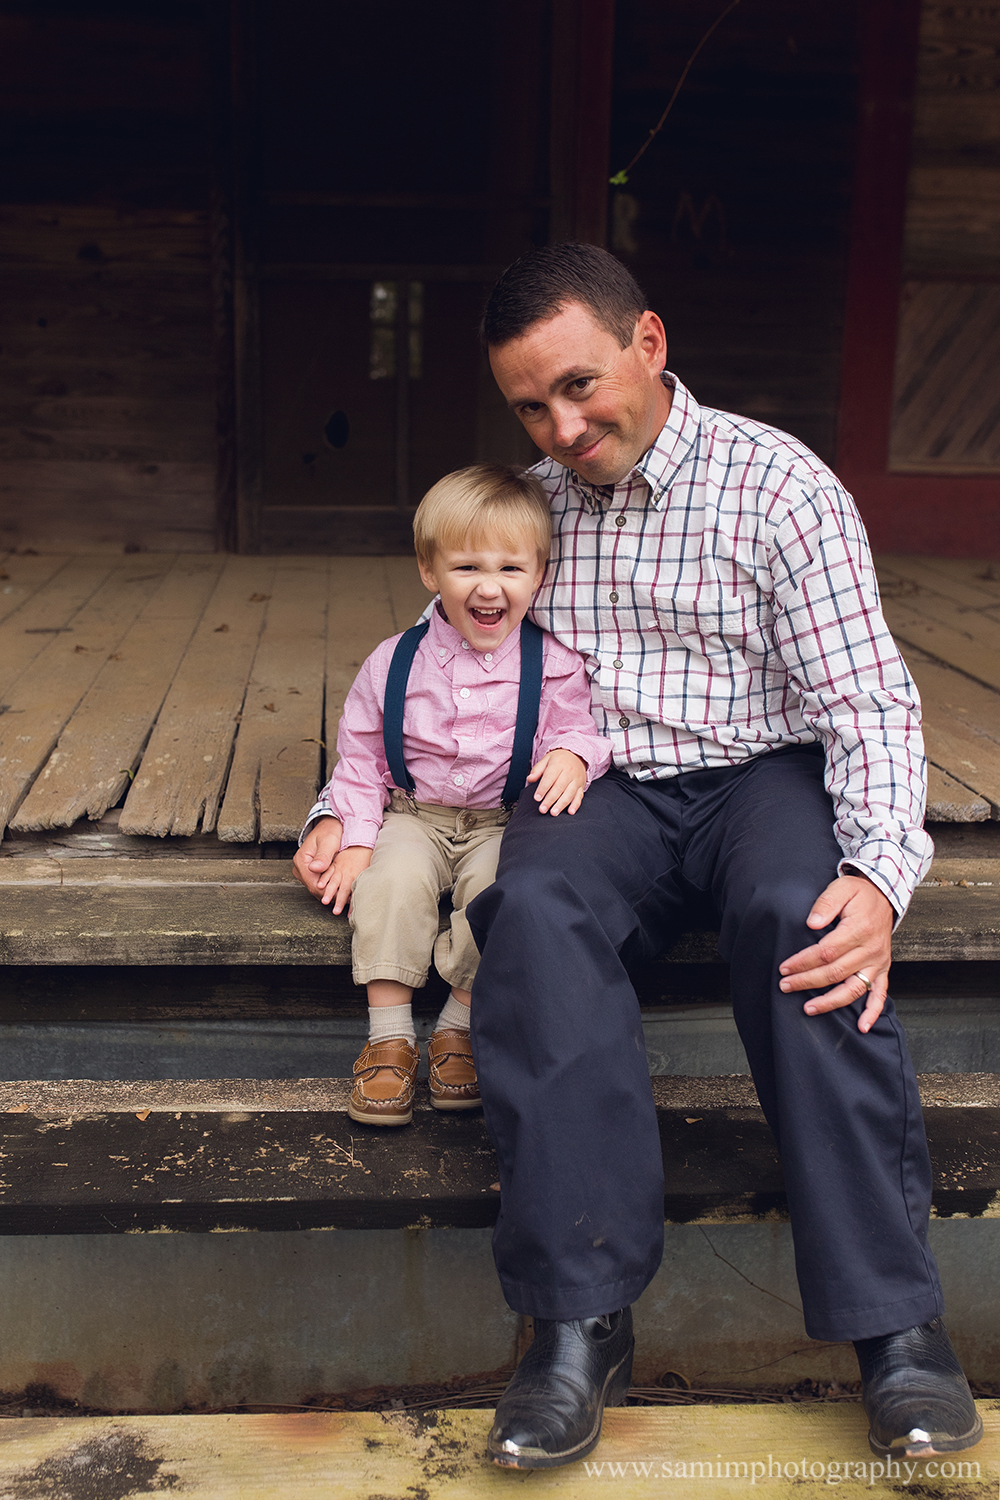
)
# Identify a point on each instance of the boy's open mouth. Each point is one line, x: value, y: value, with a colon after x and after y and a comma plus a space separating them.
x: 487, y: 617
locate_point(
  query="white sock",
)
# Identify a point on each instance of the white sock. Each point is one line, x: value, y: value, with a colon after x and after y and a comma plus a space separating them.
x: 454, y: 1017
x: 385, y: 1021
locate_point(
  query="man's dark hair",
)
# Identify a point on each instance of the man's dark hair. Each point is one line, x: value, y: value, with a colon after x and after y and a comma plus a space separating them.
x: 540, y: 284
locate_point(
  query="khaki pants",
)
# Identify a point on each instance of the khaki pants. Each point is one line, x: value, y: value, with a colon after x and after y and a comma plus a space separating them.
x: 422, y: 851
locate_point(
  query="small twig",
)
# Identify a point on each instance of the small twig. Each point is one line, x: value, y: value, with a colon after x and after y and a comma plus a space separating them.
x: 621, y: 178
x: 756, y: 1288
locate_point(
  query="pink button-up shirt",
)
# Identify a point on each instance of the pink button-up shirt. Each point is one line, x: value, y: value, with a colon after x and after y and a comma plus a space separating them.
x: 458, y: 727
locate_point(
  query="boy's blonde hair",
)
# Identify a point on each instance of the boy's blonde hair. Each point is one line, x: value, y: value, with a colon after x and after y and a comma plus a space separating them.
x: 479, y: 507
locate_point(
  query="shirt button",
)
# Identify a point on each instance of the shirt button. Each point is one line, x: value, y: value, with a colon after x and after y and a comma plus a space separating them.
x: 488, y: 656
x: 442, y: 651
x: 465, y: 693
x: 619, y: 520
x: 623, y: 722
x: 617, y: 662
x: 613, y: 596
x: 460, y: 780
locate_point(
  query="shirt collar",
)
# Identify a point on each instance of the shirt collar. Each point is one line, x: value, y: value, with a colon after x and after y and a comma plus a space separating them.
x: 659, y: 465
x: 446, y: 642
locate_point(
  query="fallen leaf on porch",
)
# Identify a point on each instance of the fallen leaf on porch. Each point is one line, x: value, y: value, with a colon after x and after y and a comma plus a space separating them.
x: 310, y: 741
x: 270, y: 708
x: 220, y: 628
x: 18, y: 1109
x: 692, y: 1119
x: 78, y: 649
x: 142, y: 1114
x: 115, y: 656
x: 259, y: 598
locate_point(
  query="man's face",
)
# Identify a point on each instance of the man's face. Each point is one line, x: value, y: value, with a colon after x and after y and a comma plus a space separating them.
x: 584, y: 401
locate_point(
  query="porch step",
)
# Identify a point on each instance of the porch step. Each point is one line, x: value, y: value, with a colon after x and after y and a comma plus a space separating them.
x: 85, y: 1157
x: 111, y: 911
x: 798, y: 1451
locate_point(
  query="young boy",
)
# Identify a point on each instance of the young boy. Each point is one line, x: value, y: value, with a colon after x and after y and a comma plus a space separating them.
x: 482, y: 539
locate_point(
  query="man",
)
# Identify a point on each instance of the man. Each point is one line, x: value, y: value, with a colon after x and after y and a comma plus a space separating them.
x: 768, y: 766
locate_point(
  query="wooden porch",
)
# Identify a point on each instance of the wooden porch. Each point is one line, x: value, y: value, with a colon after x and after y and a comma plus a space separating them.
x: 709, y: 1451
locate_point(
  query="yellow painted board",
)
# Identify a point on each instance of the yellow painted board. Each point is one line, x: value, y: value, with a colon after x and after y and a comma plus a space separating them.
x: 274, y: 776
x: 798, y: 1451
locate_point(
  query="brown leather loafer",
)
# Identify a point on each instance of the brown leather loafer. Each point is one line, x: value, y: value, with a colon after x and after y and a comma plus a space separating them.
x: 384, y: 1076
x: 452, y: 1073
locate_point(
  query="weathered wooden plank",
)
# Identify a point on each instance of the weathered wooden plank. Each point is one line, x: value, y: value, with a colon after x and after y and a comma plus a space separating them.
x: 178, y: 786
x: 43, y: 698
x: 274, y: 777
x: 49, y: 610
x: 20, y: 577
x: 949, y: 801
x: 270, y: 920
x: 930, y: 576
x: 360, y: 615
x: 407, y: 594
x: 100, y: 746
x: 231, y: 1154
x: 121, y: 872
x: 984, y: 574
x: 962, y: 639
x: 56, y: 234
x: 713, y: 1451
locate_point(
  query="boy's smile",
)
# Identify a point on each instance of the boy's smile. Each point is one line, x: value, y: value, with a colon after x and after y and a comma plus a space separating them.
x: 485, y: 592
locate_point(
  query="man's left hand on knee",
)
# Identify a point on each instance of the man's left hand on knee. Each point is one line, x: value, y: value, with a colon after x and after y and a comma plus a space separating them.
x: 859, y: 948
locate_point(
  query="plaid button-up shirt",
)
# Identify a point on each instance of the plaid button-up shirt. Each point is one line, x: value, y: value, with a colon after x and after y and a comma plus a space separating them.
x: 724, y: 599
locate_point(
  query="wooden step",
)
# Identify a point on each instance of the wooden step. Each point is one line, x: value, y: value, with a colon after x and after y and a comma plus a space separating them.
x: 85, y: 1157
x: 713, y: 1452
x: 110, y: 910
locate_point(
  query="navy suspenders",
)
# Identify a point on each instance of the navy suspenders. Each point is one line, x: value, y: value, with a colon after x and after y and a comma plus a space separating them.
x: 529, y: 697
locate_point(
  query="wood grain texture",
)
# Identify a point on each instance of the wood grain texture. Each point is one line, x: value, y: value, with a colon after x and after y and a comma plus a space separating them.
x: 711, y: 1451
x: 950, y: 801
x: 20, y: 577
x: 961, y: 732
x: 229, y: 1154
x: 180, y: 783
x: 75, y: 914
x: 360, y: 615
x: 99, y: 748
x: 46, y: 611
x: 964, y: 639
x: 275, y: 772
x: 41, y: 700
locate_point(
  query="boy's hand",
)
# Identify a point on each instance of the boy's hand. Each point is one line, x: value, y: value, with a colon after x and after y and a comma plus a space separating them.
x: 346, y: 868
x: 314, y: 858
x: 562, y: 781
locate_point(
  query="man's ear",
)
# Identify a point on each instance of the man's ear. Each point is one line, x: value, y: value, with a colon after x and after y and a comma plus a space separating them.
x: 650, y: 339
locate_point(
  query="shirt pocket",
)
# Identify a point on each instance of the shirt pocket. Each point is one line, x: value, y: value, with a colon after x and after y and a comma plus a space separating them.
x: 716, y: 647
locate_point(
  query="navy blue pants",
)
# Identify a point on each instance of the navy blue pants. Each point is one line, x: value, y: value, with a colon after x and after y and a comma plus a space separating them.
x: 558, y: 1043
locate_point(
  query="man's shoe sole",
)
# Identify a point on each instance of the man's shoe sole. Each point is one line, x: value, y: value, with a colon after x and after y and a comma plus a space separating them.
x: 909, y: 1449
x: 616, y: 1389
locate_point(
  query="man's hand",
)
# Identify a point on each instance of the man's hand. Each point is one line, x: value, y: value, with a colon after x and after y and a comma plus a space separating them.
x: 861, y: 941
x: 314, y: 858
x: 562, y: 781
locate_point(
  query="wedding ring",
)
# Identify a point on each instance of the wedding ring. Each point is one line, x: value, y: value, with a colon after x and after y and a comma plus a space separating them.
x: 864, y: 979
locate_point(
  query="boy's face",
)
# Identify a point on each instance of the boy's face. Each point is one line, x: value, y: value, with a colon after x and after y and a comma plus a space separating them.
x: 484, y: 592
